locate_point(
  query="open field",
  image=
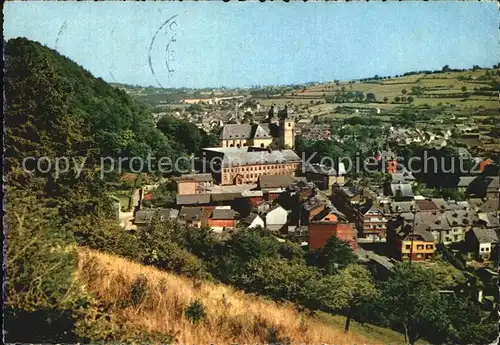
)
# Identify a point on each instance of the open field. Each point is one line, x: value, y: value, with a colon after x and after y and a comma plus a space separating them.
x: 435, y: 90
x: 231, y: 315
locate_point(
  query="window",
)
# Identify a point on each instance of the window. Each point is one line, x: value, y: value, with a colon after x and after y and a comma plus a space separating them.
x: 487, y: 249
x: 420, y: 246
x: 419, y: 256
x: 482, y: 249
x: 408, y: 246
x: 429, y: 246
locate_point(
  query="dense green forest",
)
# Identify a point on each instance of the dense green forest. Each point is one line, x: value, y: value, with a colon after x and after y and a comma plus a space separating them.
x: 55, y: 108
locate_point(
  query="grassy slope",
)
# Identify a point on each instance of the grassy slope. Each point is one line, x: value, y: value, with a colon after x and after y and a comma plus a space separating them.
x: 232, y: 316
x: 437, y: 83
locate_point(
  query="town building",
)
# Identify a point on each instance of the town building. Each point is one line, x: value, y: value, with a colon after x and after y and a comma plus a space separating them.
x: 279, y: 132
x: 237, y: 166
x: 401, y: 240
x: 194, y: 183
x: 373, y: 223
x: 479, y: 186
x: 193, y: 216
x: 276, y: 218
x: 272, y: 186
x: 482, y: 241
x: 144, y: 217
x: 332, y: 224
x: 253, y: 221
x: 324, y: 177
x: 222, y: 218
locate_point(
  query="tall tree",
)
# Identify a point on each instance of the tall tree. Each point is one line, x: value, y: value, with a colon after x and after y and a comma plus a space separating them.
x: 353, y: 288
x: 412, y: 302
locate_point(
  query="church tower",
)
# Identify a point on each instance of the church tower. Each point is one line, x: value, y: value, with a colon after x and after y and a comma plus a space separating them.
x: 287, y: 130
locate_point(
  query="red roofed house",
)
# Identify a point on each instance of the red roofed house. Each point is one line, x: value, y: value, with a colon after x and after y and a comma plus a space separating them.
x: 333, y: 224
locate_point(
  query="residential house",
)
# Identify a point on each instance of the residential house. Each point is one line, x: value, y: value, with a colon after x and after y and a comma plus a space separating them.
x: 143, y: 217
x: 194, y: 184
x: 311, y: 208
x: 373, y: 223
x: 221, y: 218
x: 348, y: 197
x: 402, y: 238
x: 401, y: 191
x: 276, y: 218
x: 193, y: 216
x: 252, y: 221
x: 296, y: 194
x: 459, y: 221
x: 482, y: 241
x: 192, y: 199
x: 398, y: 207
x: 272, y: 186
x: 324, y: 177
x: 332, y: 224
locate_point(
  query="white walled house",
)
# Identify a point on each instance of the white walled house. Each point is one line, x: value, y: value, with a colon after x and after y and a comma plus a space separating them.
x: 253, y: 221
x: 276, y: 218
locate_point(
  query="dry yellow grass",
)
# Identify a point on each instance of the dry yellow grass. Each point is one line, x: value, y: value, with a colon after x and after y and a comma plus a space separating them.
x: 231, y: 316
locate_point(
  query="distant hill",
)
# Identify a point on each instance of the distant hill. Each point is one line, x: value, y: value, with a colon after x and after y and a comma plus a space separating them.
x: 462, y: 91
x: 53, y: 102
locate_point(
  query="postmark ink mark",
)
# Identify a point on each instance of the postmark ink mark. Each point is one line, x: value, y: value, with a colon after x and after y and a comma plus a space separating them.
x: 61, y: 30
x: 168, y: 51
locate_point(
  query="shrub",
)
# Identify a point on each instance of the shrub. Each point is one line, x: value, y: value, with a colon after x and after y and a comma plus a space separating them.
x: 139, y: 290
x: 195, y: 312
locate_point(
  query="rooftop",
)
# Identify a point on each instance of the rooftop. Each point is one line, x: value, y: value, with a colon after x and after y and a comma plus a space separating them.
x: 223, y: 214
x: 276, y: 181
x: 195, y: 177
x: 426, y: 205
x: 242, y: 158
x: 145, y: 216
x: 485, y: 235
x: 191, y: 213
x: 192, y: 199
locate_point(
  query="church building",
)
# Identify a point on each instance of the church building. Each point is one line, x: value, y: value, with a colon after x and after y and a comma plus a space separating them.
x: 279, y: 131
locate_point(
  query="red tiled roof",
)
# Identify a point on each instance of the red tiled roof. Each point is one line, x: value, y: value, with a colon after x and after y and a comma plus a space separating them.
x: 426, y: 205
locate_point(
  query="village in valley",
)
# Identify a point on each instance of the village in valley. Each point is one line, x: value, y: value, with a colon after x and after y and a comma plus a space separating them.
x: 268, y: 176
x: 233, y: 172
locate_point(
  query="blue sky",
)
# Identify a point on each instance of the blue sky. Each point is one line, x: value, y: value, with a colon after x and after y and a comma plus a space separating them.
x: 243, y: 44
